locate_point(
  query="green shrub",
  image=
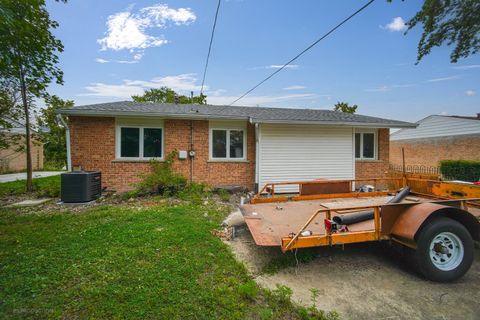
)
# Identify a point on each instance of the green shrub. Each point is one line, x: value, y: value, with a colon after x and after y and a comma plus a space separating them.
x: 223, y: 194
x: 162, y: 179
x: 195, y: 192
x: 248, y: 290
x: 465, y: 170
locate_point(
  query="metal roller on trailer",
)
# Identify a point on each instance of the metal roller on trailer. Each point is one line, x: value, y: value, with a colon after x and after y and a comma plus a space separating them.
x: 436, y: 219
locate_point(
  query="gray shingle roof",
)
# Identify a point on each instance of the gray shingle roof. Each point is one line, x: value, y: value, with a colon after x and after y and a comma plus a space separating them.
x: 253, y: 114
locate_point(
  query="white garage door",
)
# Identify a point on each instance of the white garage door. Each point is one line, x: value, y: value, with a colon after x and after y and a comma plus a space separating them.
x: 303, y: 153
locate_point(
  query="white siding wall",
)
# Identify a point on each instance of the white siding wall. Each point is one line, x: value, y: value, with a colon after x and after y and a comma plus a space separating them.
x: 438, y: 126
x: 303, y: 153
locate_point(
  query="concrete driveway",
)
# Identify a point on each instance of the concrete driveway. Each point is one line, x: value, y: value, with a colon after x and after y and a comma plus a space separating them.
x: 23, y: 175
x: 365, y: 281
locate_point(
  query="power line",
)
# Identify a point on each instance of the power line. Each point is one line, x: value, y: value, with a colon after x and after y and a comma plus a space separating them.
x: 305, y: 50
x: 210, y: 46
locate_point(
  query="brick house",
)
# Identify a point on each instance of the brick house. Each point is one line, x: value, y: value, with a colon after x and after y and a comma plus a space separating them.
x: 437, y: 137
x: 226, y: 145
x: 13, y: 158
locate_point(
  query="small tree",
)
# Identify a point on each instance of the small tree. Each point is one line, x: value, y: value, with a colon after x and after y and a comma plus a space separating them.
x: 345, y: 107
x: 28, y: 56
x: 167, y: 95
x: 54, y: 147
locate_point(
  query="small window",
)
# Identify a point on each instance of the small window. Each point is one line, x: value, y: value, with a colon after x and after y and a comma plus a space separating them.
x: 227, y: 144
x: 140, y: 143
x: 365, y: 145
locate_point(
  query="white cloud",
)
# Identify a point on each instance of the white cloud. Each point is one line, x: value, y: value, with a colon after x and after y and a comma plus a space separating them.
x: 100, y: 60
x: 278, y: 66
x: 443, y: 79
x: 397, y: 24
x: 294, y: 88
x: 183, y: 83
x: 385, y: 88
x: 467, y: 67
x: 470, y: 93
x: 130, y: 31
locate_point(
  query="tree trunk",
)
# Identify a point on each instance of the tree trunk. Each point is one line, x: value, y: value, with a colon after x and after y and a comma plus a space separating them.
x: 27, y: 130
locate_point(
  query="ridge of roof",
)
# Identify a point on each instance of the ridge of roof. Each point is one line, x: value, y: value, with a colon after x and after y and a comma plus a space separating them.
x: 254, y: 114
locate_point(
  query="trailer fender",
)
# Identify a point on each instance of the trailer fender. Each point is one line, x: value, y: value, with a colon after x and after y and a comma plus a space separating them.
x: 411, y: 221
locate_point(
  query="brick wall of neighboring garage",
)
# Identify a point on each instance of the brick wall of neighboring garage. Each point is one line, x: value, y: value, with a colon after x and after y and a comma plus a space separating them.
x: 429, y: 151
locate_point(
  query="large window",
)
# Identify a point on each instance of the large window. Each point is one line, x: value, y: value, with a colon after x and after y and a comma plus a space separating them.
x: 140, y: 143
x: 227, y: 144
x: 366, y: 145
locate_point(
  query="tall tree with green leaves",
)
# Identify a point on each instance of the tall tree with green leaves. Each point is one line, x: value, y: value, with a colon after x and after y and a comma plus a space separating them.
x: 28, y: 56
x: 53, y: 138
x: 452, y: 22
x: 10, y: 112
x: 167, y: 95
x: 345, y: 107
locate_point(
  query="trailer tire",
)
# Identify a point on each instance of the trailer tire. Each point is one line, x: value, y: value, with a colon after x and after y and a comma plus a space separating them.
x: 444, y: 250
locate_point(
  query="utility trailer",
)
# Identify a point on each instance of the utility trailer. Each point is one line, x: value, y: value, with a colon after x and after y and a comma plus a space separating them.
x: 438, y: 220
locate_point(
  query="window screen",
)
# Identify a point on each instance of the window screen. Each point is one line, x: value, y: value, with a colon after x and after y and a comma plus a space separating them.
x: 357, y: 145
x: 130, y: 142
x: 152, y: 143
x: 368, y: 145
x: 219, y: 143
x: 236, y: 144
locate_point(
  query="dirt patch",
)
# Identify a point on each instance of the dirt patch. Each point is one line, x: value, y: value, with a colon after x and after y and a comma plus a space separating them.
x: 366, y: 281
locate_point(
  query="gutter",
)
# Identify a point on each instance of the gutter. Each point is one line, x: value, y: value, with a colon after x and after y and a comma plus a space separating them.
x: 67, y: 139
x: 340, y: 123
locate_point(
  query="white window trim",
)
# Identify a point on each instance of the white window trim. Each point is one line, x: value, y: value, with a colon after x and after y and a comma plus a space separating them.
x: 375, y: 141
x: 118, y: 143
x: 227, y: 158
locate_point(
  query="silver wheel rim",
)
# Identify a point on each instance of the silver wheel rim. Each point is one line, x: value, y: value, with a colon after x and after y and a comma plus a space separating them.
x: 446, y: 251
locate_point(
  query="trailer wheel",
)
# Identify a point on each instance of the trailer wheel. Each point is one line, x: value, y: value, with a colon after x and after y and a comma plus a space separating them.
x: 444, y: 250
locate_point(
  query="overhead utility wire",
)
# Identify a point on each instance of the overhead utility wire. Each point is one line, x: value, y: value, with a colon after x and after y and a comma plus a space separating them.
x: 305, y: 50
x: 210, y: 46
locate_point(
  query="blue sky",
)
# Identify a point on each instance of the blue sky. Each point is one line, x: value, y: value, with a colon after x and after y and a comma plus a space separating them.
x: 117, y: 48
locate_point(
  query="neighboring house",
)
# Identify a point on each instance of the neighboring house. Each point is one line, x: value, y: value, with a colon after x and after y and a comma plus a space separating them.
x: 14, y: 157
x: 436, y: 138
x: 246, y: 146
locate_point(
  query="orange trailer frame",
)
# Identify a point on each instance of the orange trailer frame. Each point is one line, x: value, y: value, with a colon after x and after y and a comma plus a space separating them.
x: 398, y: 222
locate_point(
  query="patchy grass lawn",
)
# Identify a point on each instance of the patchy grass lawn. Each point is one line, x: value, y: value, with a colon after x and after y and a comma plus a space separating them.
x: 43, y: 187
x: 129, y: 262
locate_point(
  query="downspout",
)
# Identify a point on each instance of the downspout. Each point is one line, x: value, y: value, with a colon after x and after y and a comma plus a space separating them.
x: 191, y: 150
x: 67, y: 140
x: 257, y: 153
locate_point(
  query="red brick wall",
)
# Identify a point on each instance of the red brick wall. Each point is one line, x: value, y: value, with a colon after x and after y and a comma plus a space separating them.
x: 375, y: 168
x: 93, y: 148
x: 429, y: 151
